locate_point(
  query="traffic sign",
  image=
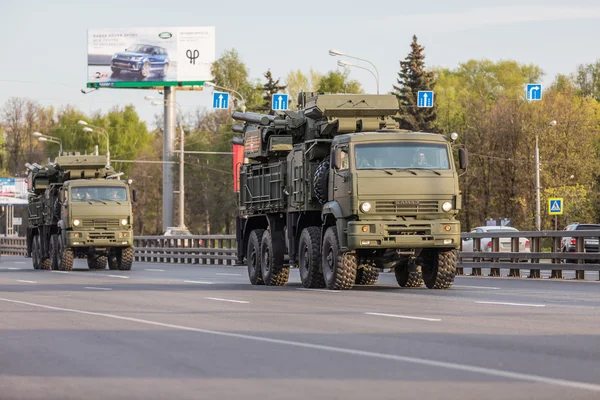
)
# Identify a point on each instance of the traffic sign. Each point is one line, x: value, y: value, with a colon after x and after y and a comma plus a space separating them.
x: 555, y: 206
x: 534, y: 91
x: 425, y: 98
x: 279, y: 102
x: 220, y: 100
x: 17, y: 221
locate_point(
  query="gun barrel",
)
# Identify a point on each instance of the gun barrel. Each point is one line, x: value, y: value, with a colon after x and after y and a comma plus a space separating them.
x: 253, y: 118
x: 237, y: 128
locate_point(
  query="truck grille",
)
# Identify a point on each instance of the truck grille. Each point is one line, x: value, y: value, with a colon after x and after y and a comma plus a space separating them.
x: 111, y: 224
x: 407, y: 206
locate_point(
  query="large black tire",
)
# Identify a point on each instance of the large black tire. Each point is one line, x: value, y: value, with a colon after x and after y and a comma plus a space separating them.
x: 271, y: 258
x: 366, y: 274
x: 126, y: 260
x: 321, y: 181
x: 309, y: 258
x: 253, y: 256
x: 439, y: 267
x: 65, y: 257
x: 95, y: 261
x: 339, y: 269
x: 35, y: 252
x: 408, y: 275
x: 54, y: 252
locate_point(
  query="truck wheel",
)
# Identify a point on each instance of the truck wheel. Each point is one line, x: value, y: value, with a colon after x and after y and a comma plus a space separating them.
x: 253, y: 256
x: 54, y: 252
x: 439, y: 268
x: 366, y: 274
x: 35, y: 252
x: 408, y: 275
x: 126, y: 259
x: 95, y: 261
x: 65, y: 257
x: 273, y: 272
x: 321, y: 181
x: 309, y: 258
x: 339, y: 269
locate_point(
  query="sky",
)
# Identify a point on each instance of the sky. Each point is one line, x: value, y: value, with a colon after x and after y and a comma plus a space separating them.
x: 44, y: 43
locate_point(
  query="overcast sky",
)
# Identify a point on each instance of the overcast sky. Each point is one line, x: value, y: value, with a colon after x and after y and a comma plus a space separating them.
x: 44, y: 43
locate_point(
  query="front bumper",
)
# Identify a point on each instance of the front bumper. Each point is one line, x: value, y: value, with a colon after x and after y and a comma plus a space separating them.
x: 121, y: 238
x: 393, y: 234
x: 127, y: 65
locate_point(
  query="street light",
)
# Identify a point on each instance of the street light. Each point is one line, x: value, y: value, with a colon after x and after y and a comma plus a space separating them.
x: 156, y: 102
x: 50, y: 139
x: 100, y: 131
x: 346, y: 64
x: 243, y: 101
x: 538, y: 218
x: 335, y: 53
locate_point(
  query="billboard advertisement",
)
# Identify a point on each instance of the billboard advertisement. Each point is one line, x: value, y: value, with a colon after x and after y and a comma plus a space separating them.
x: 149, y: 57
x: 13, y: 191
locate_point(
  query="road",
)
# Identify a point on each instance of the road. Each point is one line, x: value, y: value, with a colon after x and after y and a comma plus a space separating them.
x: 189, y: 332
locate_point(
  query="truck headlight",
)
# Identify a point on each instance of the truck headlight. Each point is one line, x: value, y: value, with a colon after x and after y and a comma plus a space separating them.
x: 365, y: 207
x: 447, y: 206
x: 123, y: 222
x: 76, y: 222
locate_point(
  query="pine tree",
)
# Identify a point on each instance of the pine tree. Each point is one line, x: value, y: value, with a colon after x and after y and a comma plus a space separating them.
x: 411, y: 79
x: 270, y: 88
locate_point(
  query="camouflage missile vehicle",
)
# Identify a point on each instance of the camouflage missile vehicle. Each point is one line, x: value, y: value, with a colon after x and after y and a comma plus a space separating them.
x: 79, y: 208
x: 338, y: 190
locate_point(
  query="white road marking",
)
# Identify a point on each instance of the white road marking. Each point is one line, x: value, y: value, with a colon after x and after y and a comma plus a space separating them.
x: 320, y: 290
x: 305, y: 345
x: 19, y: 262
x: 61, y: 272
x: 510, y: 304
x: 231, y: 301
x: 403, y: 316
x: 203, y: 282
x: 20, y: 280
x: 14, y: 269
x: 155, y: 270
x: 97, y: 288
x: 227, y: 274
x: 476, y: 287
x: 118, y: 276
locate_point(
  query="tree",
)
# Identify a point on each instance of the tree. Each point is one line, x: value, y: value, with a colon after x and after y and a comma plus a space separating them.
x: 297, y: 82
x: 587, y: 80
x: 412, y: 78
x: 270, y: 88
x: 338, y: 82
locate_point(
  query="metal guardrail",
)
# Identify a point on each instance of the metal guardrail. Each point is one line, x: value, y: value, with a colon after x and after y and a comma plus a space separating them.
x: 220, y: 250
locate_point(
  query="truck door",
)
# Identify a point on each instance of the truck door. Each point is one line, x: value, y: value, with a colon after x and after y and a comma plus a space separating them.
x: 341, y: 180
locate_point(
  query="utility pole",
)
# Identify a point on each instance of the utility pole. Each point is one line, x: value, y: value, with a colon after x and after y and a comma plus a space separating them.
x: 168, y: 147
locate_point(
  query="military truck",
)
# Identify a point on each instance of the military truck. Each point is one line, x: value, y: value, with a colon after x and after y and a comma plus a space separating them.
x: 338, y: 190
x: 79, y: 208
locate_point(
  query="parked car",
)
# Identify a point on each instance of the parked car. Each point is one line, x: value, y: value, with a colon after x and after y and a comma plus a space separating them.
x: 486, y: 243
x: 142, y: 59
x: 569, y: 244
x: 180, y: 234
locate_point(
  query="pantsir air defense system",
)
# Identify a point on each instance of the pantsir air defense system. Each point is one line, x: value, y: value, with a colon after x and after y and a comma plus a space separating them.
x: 337, y: 190
x: 79, y: 208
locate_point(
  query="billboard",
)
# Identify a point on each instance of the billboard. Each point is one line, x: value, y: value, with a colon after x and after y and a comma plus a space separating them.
x: 13, y: 191
x: 149, y: 57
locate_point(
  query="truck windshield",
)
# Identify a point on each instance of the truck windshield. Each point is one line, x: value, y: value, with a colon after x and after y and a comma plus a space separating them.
x: 401, y: 155
x: 99, y: 193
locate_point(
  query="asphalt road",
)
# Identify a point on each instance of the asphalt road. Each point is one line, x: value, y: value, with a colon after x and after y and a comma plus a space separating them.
x: 190, y: 332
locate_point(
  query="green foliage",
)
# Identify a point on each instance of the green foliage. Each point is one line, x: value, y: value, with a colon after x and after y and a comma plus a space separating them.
x: 270, y: 88
x: 338, y: 82
x: 413, y: 78
x: 297, y: 82
x: 587, y: 80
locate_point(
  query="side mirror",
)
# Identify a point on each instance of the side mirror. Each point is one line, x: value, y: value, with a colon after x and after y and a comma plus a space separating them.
x: 134, y: 195
x: 463, y: 158
x: 337, y: 159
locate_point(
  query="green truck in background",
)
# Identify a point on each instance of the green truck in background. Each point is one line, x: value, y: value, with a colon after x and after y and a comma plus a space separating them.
x: 79, y: 208
x: 338, y: 190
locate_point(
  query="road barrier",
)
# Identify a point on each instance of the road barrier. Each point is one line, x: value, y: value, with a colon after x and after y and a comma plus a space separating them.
x: 220, y: 250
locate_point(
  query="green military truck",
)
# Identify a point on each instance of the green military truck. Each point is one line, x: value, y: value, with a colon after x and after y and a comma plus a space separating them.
x: 337, y: 190
x: 79, y: 208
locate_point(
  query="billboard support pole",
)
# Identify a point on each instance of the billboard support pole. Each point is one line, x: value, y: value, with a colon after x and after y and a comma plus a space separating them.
x: 168, y: 147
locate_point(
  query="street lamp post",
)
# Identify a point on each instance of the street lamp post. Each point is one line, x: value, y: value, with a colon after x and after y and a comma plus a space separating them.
x: 538, y: 217
x: 334, y: 53
x: 51, y: 139
x: 346, y: 64
x: 100, y: 131
x: 241, y: 99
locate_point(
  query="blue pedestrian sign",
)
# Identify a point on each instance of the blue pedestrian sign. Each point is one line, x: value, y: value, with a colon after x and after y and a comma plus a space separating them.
x: 555, y: 206
x: 220, y: 100
x: 425, y: 98
x: 534, y: 91
x: 279, y: 102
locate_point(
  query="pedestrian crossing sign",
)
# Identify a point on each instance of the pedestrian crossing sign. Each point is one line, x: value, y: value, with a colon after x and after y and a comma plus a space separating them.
x: 555, y: 206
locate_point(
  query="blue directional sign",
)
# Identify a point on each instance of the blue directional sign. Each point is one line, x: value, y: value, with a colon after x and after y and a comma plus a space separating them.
x: 425, y: 98
x: 534, y: 91
x: 279, y: 102
x: 555, y: 206
x: 220, y: 100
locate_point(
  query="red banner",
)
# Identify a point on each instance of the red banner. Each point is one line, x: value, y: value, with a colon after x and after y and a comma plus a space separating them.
x: 238, y: 160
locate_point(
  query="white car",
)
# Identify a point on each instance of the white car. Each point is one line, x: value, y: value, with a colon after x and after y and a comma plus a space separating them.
x: 486, y: 243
